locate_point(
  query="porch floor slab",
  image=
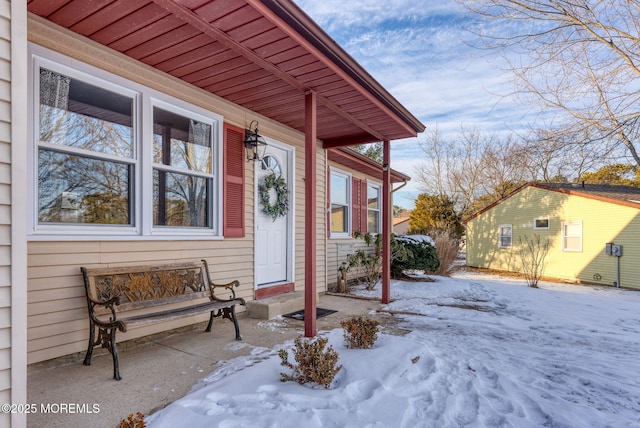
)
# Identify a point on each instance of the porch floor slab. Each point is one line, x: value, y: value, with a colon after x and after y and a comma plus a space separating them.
x: 163, y: 368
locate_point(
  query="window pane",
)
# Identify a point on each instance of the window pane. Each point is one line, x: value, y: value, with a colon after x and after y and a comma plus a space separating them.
x: 76, y: 189
x: 505, y: 241
x: 572, y: 229
x: 542, y: 223
x: 76, y: 114
x: 269, y: 163
x: 339, y: 192
x: 571, y: 243
x: 505, y: 235
x: 181, y: 142
x: 339, y: 218
x: 572, y: 235
x: 373, y: 221
x: 180, y: 200
x: 373, y: 197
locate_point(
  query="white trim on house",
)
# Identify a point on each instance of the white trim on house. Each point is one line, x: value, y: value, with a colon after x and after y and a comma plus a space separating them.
x: 377, y: 186
x: 348, y: 177
x: 18, y: 263
x: 291, y: 232
x: 502, y: 235
x: 564, y: 236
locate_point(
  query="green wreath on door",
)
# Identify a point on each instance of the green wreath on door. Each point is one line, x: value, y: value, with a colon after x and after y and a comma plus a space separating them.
x: 280, y: 207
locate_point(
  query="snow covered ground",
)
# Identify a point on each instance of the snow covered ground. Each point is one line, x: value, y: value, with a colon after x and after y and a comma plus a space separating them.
x: 484, y: 351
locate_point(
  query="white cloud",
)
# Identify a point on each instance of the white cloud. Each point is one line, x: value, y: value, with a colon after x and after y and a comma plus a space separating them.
x: 420, y: 52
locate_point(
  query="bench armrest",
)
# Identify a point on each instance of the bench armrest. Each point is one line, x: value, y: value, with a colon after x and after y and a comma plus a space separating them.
x: 228, y: 286
x: 108, y: 304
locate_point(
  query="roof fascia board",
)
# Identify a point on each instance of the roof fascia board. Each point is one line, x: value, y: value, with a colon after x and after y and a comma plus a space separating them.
x: 588, y: 195
x: 348, y: 141
x: 367, y: 164
x: 493, y: 204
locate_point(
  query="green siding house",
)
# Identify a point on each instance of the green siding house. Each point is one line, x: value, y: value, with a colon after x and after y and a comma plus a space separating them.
x: 578, y: 220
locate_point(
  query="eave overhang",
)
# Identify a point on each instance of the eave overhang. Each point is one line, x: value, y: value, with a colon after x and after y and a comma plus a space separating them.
x: 264, y: 55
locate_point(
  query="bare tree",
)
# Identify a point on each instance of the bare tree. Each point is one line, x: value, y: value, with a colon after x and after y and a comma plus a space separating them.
x: 471, y: 166
x: 578, y: 57
x: 532, y: 255
x: 453, y: 168
x: 559, y: 155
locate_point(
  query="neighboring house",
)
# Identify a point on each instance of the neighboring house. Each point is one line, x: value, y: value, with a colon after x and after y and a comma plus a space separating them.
x: 401, y: 225
x: 578, y: 220
x: 122, y: 142
x: 354, y: 203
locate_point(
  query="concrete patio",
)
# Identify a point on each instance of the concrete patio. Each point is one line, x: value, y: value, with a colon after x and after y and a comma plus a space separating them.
x: 160, y: 369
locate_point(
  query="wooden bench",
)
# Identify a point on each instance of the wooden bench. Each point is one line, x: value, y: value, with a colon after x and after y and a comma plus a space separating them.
x: 123, y: 297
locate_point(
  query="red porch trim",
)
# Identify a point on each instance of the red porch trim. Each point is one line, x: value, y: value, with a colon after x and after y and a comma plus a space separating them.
x: 352, y: 159
x: 276, y: 290
x: 386, y: 223
x: 233, y: 182
x: 310, y: 137
x: 347, y: 141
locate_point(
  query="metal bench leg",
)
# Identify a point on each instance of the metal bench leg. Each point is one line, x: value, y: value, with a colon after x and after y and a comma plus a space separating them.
x: 235, y: 322
x: 208, y: 329
x: 114, y: 353
x: 92, y: 338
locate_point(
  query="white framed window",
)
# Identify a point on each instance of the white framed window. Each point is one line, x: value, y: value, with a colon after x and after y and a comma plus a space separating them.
x: 572, y: 236
x: 541, y: 223
x: 505, y: 232
x: 111, y: 159
x: 340, y: 197
x: 374, y: 202
x: 183, y: 173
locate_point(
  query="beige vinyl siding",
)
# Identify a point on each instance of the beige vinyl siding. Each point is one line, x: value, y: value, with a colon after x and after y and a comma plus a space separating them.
x: 57, y: 313
x: 299, y: 224
x: 602, y: 222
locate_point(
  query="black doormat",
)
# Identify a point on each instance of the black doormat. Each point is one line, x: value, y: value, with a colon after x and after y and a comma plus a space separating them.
x: 299, y: 315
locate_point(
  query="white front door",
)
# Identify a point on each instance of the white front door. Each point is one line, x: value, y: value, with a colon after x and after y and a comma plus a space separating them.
x: 273, y: 232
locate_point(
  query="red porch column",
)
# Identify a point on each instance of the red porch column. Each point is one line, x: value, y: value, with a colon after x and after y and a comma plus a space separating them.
x: 386, y: 223
x: 310, y: 137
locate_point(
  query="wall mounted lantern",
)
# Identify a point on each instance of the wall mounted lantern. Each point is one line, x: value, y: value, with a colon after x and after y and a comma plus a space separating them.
x: 254, y: 143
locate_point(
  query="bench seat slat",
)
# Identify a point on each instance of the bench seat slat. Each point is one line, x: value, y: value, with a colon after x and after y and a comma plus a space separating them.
x: 172, y: 314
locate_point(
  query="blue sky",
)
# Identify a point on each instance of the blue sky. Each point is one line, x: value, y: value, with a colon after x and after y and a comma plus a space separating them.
x: 419, y: 51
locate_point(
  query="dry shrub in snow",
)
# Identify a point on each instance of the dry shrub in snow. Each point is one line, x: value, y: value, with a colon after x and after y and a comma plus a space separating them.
x: 132, y: 421
x: 314, y: 364
x: 447, y: 248
x: 360, y: 332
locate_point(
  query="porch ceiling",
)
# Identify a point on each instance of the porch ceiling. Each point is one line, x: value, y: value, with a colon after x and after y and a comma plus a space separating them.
x: 261, y: 54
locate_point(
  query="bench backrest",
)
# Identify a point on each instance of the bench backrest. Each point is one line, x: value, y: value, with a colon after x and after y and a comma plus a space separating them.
x: 150, y: 285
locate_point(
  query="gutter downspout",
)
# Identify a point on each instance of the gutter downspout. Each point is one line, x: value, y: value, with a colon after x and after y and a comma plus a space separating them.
x: 404, y: 183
